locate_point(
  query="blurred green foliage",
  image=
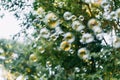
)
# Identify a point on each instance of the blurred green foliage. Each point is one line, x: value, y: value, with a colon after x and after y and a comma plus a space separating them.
x: 45, y: 57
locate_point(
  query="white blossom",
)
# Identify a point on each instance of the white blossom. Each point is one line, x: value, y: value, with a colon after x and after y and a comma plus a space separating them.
x: 93, y: 23
x: 69, y: 37
x: 118, y: 12
x: 106, y: 16
x: 86, y: 38
x: 76, y: 25
x: 83, y: 53
x: 54, y: 36
x: 1, y: 50
x: 41, y: 49
x: 40, y: 11
x: 67, y: 15
x: 15, y: 56
x: 116, y: 42
x: 113, y: 15
x: 65, y: 45
x: 73, y: 17
x: 105, y: 3
x: 58, y: 30
x: 44, y: 32
x: 21, y: 77
x: 51, y: 20
x: 97, y: 30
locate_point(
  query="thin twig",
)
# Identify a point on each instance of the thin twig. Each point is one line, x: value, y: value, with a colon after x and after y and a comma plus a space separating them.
x: 89, y: 9
x: 105, y: 41
x: 88, y: 6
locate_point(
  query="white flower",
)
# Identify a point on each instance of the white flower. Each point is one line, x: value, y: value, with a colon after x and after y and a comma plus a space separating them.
x: 86, y: 38
x: 69, y: 37
x: 54, y: 36
x: 21, y: 77
x: 33, y: 57
x: 118, y: 12
x: 65, y: 46
x: 15, y: 56
x: 44, y: 32
x: 83, y: 53
x: 51, y: 20
x: 113, y: 15
x: 2, y: 57
x: 48, y: 64
x: 97, y: 30
x: 73, y: 17
x: 93, y: 23
x: 40, y: 11
x: 81, y: 18
x: 105, y: 3
x: 41, y: 49
x: 61, y: 4
x: 67, y: 16
x: 106, y: 16
x: 76, y: 25
x: 116, y: 43
x: 99, y: 36
x: 58, y: 30
x: 107, y: 9
x: 1, y: 50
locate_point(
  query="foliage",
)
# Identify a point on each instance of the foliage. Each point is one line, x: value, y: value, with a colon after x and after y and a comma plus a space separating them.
x: 71, y: 40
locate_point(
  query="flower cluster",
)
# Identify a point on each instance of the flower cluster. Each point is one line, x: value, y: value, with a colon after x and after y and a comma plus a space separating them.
x: 52, y: 21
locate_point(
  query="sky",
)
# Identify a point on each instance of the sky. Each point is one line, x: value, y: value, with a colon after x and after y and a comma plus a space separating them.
x: 8, y: 26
